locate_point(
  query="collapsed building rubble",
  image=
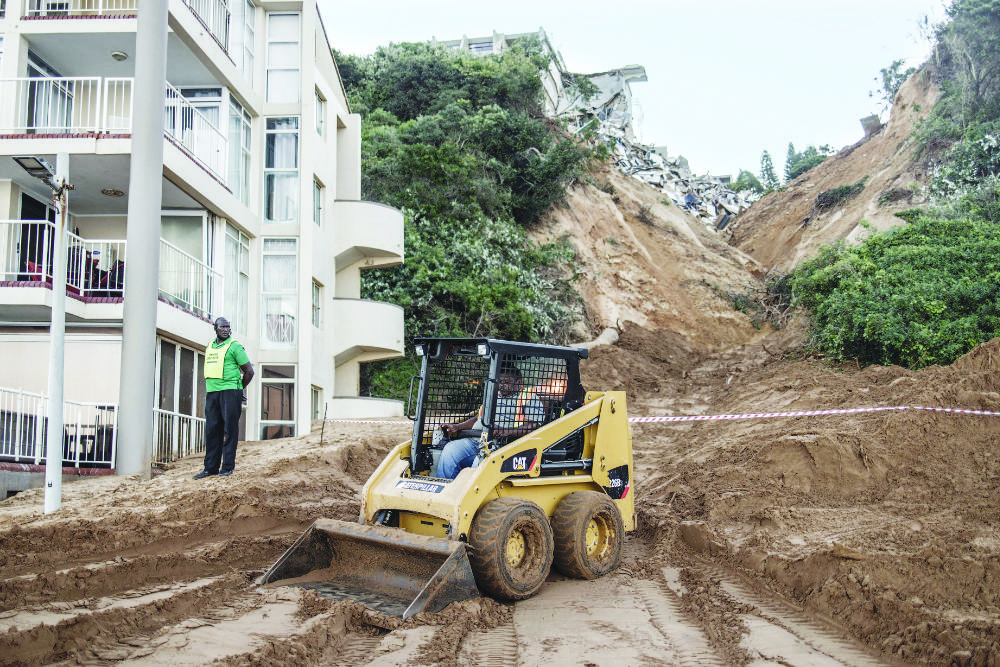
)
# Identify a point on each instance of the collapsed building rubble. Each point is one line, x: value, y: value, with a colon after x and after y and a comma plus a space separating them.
x: 600, y: 106
x: 607, y: 113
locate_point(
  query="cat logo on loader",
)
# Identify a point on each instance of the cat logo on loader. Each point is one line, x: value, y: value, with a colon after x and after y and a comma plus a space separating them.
x: 559, y: 495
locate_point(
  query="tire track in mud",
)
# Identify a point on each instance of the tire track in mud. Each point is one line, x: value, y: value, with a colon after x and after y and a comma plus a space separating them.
x: 491, y: 648
x: 692, y: 646
x: 779, y: 632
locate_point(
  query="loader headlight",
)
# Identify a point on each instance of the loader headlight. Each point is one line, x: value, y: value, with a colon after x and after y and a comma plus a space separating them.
x: 481, y: 349
x: 419, y: 349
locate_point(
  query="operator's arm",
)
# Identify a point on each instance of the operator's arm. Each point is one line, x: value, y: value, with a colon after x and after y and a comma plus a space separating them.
x: 451, y: 429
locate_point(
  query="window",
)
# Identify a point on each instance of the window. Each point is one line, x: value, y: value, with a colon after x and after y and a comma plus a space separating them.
x: 241, y: 36
x: 50, y: 98
x: 239, y: 151
x: 320, y: 113
x: 277, y: 405
x: 317, y: 296
x: 317, y: 203
x: 317, y: 403
x: 282, y: 58
x: 281, y: 170
x: 278, y: 293
x: 236, y: 272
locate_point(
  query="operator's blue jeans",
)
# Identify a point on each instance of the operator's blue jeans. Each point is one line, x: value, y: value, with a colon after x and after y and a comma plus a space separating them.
x: 457, y: 454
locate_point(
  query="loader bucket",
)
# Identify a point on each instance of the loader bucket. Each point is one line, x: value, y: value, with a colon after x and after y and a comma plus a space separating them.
x: 388, y: 569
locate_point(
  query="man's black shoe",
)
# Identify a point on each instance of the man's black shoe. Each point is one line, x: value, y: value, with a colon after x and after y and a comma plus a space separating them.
x: 225, y: 473
x: 203, y: 473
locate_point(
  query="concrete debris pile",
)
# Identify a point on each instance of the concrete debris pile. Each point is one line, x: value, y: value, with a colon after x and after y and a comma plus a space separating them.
x: 608, y: 114
x: 706, y: 197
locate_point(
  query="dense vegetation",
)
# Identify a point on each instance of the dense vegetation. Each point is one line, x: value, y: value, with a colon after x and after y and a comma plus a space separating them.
x: 927, y: 293
x: 460, y: 144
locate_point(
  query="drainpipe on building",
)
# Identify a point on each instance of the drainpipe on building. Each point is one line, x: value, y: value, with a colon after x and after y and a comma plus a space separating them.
x: 137, y: 387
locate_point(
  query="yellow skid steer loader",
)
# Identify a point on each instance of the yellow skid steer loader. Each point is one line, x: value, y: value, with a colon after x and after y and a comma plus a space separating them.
x: 548, y: 481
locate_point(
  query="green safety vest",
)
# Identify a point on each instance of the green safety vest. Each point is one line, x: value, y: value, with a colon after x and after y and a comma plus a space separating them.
x: 215, y: 359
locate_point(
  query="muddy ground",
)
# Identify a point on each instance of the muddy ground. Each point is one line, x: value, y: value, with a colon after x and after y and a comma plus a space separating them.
x: 869, y: 538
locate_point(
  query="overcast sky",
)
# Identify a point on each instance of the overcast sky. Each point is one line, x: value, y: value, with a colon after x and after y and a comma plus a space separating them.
x: 727, y: 78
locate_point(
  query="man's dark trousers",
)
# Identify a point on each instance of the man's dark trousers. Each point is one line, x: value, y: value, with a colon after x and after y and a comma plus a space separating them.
x: 222, y: 419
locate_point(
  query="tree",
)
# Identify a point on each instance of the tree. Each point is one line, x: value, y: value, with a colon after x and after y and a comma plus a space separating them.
x: 893, y: 77
x: 767, y: 175
x: 968, y: 49
x: 797, y: 164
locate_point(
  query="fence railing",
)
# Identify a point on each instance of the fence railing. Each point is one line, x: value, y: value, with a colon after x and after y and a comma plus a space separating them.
x: 81, y: 7
x: 176, y: 435
x: 195, y: 132
x: 94, y: 267
x: 188, y: 282
x: 89, y: 430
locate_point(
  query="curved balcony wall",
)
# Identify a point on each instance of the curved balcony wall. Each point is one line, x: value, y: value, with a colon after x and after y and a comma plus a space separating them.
x: 367, y: 232
x: 366, y: 330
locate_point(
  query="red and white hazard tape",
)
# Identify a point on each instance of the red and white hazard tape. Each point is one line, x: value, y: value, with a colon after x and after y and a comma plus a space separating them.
x: 752, y: 415
x: 810, y: 413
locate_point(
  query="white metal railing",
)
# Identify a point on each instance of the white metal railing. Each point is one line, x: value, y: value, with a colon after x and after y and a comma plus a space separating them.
x: 81, y: 7
x: 195, y: 132
x: 65, y: 105
x: 176, y: 435
x: 94, y: 267
x: 85, y: 105
x: 189, y: 282
x: 89, y: 430
x: 51, y: 105
x: 215, y: 15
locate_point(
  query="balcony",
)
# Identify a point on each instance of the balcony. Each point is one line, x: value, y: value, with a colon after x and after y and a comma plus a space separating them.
x: 367, y: 232
x: 102, y: 106
x: 95, y: 272
x: 108, y: 8
x: 366, y: 330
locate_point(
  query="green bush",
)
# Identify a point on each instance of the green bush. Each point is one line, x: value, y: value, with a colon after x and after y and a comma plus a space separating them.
x: 838, y: 195
x: 916, y: 295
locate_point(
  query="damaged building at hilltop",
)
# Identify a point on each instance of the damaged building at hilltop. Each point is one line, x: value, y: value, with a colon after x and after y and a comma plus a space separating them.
x: 607, y: 113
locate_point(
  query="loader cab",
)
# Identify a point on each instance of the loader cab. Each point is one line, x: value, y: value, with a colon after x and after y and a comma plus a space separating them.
x: 462, y: 377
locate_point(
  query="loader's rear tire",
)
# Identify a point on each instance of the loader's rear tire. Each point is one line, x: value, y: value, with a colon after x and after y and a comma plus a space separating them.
x: 511, y: 548
x: 588, y: 531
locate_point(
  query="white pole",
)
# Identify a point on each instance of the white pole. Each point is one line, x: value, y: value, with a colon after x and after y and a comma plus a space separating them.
x: 57, y: 344
x: 137, y: 388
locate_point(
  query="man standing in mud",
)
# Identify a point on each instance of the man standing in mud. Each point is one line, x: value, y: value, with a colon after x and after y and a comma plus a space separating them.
x: 227, y: 373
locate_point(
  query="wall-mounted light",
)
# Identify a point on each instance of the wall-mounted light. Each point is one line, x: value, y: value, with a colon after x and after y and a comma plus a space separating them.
x: 119, y: 55
x: 36, y: 167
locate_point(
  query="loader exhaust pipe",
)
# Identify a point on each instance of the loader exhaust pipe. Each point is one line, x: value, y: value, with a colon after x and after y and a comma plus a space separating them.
x: 388, y: 569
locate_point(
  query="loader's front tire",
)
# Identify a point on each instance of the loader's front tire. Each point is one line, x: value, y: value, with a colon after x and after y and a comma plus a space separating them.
x: 588, y: 532
x: 511, y: 548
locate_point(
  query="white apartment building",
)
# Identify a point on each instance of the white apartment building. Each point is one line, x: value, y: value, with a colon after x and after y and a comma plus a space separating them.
x: 261, y: 215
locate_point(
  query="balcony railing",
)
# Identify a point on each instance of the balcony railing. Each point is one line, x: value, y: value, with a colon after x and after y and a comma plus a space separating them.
x: 89, y: 430
x: 188, y: 282
x: 95, y: 105
x: 195, y: 132
x: 96, y: 267
x: 81, y: 7
x: 215, y: 15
